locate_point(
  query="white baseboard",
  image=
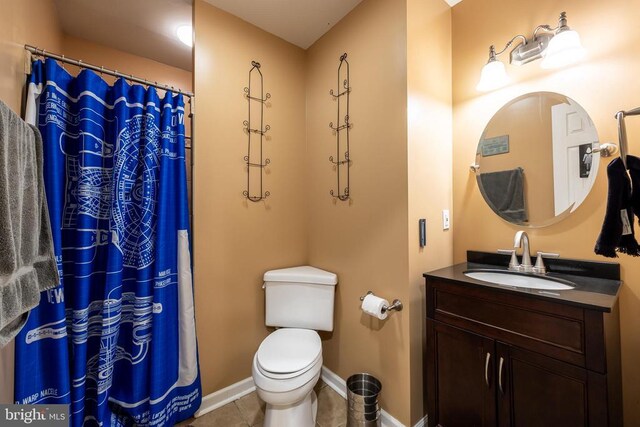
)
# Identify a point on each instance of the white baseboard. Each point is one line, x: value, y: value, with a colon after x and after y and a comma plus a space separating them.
x: 422, y: 422
x: 235, y: 391
x: 340, y: 386
x: 220, y: 398
x: 334, y: 381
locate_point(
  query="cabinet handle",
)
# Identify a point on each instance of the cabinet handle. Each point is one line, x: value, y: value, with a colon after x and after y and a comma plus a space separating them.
x: 486, y: 369
x: 500, y: 375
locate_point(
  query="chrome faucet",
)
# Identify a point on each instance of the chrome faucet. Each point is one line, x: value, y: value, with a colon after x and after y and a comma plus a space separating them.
x: 540, y: 268
x: 522, y: 240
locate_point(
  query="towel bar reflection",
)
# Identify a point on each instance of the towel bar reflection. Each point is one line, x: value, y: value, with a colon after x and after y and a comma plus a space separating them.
x: 606, y: 149
x: 395, y: 305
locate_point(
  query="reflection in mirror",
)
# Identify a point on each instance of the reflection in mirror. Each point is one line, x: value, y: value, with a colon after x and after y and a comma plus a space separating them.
x: 535, y: 159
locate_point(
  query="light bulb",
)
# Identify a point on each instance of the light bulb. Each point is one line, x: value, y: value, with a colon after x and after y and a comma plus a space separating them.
x: 492, y: 76
x: 564, y: 48
x: 185, y: 34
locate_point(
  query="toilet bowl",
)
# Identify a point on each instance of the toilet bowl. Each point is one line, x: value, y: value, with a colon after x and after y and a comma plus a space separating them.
x: 285, y: 369
x: 299, y: 301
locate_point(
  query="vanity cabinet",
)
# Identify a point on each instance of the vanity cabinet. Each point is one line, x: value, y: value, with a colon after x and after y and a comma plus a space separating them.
x: 499, y: 358
x: 537, y: 390
x: 460, y: 367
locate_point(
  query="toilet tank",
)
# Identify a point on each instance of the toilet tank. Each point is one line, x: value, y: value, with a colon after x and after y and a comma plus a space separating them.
x: 300, y: 297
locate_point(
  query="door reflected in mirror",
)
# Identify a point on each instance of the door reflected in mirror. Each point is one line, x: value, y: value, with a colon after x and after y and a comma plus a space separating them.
x: 535, y: 159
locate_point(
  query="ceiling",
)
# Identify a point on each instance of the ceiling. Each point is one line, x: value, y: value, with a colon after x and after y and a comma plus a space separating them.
x: 142, y: 27
x: 300, y: 22
x: 147, y: 27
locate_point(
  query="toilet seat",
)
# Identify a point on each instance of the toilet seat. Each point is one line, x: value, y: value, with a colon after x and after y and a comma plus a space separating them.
x: 287, y: 359
x: 267, y: 383
x: 289, y: 375
x: 288, y: 353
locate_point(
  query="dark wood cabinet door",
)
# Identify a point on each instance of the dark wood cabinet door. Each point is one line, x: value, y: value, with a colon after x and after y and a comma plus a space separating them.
x: 460, y: 377
x: 537, y: 391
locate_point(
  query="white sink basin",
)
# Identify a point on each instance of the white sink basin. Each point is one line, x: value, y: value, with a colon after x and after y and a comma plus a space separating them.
x: 507, y: 278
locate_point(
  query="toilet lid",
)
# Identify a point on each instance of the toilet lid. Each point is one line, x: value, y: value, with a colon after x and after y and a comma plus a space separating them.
x: 289, y: 350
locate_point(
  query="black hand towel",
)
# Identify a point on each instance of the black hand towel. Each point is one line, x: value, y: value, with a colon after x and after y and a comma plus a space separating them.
x: 633, y: 165
x: 617, y: 229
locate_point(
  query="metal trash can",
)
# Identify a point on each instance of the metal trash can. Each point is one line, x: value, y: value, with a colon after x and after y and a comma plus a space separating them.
x: 362, y: 401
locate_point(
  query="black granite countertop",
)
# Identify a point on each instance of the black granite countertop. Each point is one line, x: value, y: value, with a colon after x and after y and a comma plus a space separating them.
x: 596, y: 283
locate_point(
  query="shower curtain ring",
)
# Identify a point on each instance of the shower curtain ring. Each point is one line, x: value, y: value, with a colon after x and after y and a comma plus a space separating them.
x: 102, y: 70
x: 63, y: 62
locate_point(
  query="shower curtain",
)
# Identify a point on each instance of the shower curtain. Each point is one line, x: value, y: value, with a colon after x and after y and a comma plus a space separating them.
x: 116, y: 339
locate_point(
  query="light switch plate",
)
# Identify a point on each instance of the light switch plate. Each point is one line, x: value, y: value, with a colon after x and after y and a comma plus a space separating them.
x: 446, y: 222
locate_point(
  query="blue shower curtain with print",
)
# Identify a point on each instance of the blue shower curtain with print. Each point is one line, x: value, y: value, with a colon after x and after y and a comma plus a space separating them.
x: 116, y: 339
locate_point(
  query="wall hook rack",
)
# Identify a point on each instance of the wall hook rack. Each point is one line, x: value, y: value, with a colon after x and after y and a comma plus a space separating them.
x: 255, y: 163
x: 342, y: 160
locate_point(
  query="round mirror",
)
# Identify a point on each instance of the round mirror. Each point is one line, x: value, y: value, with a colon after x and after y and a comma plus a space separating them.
x: 534, y: 162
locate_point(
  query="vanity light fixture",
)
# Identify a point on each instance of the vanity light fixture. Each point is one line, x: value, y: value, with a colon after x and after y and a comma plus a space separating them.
x: 564, y: 48
x: 493, y: 74
x: 557, y: 47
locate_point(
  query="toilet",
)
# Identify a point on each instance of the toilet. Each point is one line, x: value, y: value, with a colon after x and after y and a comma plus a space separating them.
x: 298, y: 302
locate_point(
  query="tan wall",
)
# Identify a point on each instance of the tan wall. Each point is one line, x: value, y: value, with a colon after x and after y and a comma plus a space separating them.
x: 21, y: 22
x: 236, y: 241
x: 124, y: 62
x: 429, y: 162
x: 604, y: 83
x: 363, y: 240
x: 370, y: 241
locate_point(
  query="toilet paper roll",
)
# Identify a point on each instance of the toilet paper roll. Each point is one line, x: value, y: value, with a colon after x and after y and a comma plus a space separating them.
x: 373, y: 305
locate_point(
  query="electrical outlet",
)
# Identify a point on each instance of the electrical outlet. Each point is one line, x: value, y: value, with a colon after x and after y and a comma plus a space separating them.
x: 446, y: 222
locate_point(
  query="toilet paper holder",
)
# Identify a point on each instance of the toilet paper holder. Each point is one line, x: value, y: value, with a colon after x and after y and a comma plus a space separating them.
x: 395, y: 305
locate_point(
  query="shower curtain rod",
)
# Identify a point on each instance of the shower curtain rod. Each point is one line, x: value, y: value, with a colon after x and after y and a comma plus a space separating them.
x: 115, y: 73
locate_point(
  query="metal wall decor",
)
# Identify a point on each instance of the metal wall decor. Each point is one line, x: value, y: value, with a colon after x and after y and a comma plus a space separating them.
x: 342, y: 160
x: 255, y: 162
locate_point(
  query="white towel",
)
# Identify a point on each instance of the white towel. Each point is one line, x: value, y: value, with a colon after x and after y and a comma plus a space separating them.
x: 27, y: 261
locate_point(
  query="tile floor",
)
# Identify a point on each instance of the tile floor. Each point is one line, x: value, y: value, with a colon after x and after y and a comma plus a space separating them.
x: 248, y: 411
